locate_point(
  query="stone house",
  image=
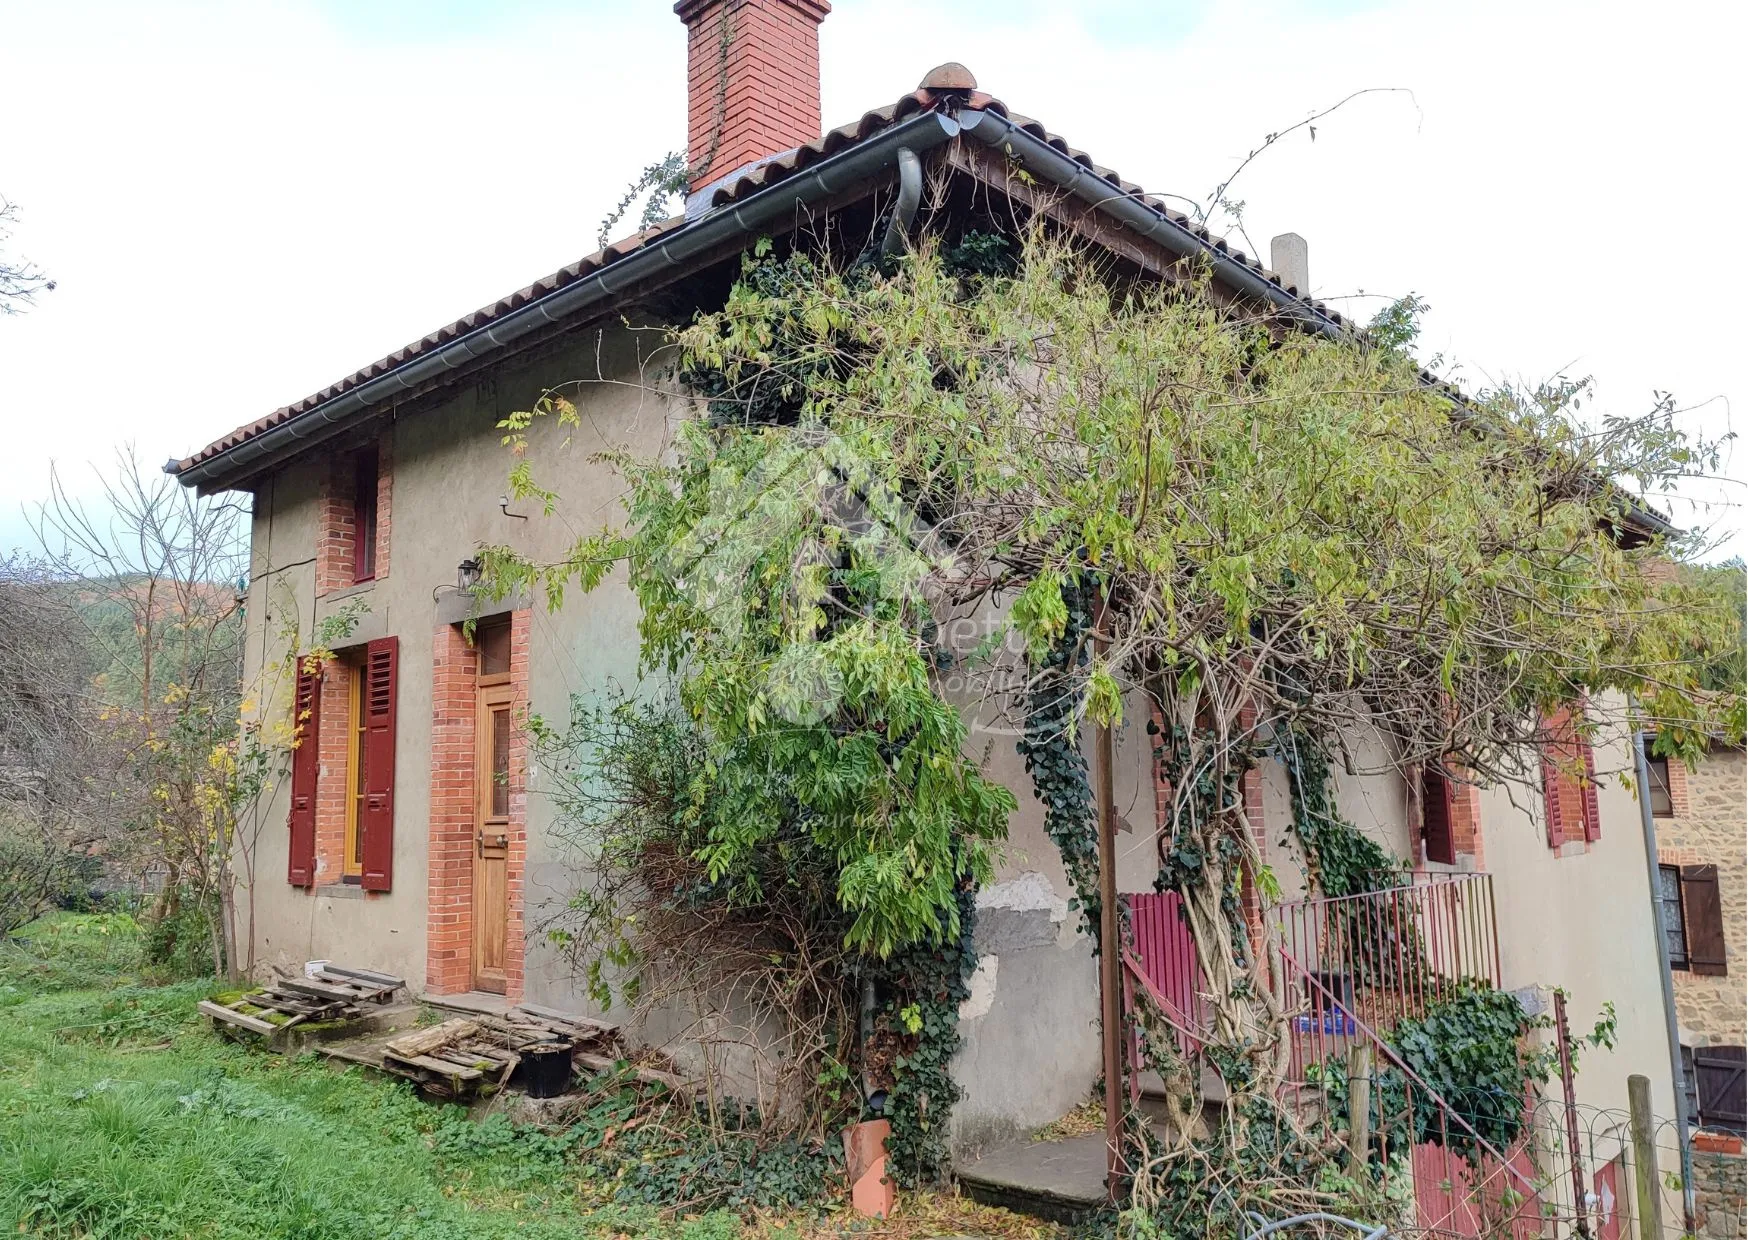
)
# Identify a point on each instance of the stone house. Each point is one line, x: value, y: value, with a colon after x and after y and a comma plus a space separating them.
x: 1702, y: 838
x: 412, y: 836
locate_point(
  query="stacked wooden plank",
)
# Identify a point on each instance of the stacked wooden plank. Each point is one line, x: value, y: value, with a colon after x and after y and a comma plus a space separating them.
x: 331, y: 993
x: 477, y: 1053
x: 453, y: 1059
x: 342, y: 985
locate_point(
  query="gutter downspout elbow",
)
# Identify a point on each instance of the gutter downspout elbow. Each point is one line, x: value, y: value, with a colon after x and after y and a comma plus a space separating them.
x: 910, y: 196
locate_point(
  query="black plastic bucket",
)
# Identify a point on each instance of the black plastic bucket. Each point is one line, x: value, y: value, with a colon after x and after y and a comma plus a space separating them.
x: 546, y: 1069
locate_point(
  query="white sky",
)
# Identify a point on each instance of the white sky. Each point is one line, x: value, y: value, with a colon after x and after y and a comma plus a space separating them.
x: 245, y: 202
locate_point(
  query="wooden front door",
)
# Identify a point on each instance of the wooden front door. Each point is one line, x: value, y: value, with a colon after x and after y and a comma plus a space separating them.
x: 491, y: 885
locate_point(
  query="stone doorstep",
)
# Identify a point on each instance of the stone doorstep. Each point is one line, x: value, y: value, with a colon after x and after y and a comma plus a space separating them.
x: 472, y: 1003
x: 1059, y: 1181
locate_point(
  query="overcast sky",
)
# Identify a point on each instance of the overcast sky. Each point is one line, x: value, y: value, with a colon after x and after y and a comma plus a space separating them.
x: 243, y: 202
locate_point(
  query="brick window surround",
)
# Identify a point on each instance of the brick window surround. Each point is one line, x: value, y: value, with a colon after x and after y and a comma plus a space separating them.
x: 336, y: 549
x: 454, y: 724
x: 334, y: 745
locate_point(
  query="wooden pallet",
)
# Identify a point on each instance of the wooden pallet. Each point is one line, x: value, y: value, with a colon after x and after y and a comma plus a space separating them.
x: 334, y: 993
x: 452, y: 1060
x: 342, y: 985
x: 272, y: 1010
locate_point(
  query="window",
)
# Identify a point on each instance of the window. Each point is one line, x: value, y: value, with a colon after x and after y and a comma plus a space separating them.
x: 493, y: 642
x: 364, y: 471
x: 1662, y: 803
x: 1674, y: 917
x: 1689, y: 1087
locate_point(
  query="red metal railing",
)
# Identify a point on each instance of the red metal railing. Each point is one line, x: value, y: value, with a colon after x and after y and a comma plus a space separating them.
x: 1166, y: 956
x: 1383, y: 956
x: 1353, y: 968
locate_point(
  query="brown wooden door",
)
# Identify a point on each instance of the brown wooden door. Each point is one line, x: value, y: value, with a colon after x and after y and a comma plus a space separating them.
x: 491, y: 888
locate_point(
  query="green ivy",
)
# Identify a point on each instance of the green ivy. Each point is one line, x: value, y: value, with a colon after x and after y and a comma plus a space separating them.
x: 1340, y: 859
x: 927, y: 983
x: 1475, y: 1049
x: 1050, y: 743
x: 1196, y: 839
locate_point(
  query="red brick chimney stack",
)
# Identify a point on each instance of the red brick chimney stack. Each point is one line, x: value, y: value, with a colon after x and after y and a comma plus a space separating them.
x: 758, y: 96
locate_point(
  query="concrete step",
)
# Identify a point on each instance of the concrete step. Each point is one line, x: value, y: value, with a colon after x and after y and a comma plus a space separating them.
x: 1059, y: 1181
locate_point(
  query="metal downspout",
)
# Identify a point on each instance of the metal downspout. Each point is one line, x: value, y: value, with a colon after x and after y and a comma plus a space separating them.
x: 1642, y: 775
x: 910, y: 195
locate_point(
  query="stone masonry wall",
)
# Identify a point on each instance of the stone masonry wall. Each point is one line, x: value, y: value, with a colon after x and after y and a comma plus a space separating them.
x: 1719, y: 1192
x: 1713, y: 830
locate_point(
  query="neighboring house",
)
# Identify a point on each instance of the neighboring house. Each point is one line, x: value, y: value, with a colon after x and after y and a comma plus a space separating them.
x: 411, y: 842
x: 1703, y: 876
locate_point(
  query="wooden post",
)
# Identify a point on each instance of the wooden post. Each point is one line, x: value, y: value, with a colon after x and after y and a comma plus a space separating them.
x: 1647, y: 1192
x: 1563, y: 1032
x: 1359, y: 1105
x: 1110, y: 948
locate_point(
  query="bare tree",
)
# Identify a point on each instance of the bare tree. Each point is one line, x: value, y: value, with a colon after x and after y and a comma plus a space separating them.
x: 54, y: 824
x: 159, y: 571
x: 20, y: 279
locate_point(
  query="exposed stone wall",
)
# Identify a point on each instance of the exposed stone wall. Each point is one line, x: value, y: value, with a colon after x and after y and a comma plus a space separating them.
x: 1711, y: 828
x: 1720, y: 1191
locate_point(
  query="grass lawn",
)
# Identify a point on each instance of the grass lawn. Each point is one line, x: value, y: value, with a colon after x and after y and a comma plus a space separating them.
x: 121, y: 1115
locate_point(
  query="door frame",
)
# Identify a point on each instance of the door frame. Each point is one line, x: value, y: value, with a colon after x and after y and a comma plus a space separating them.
x: 490, y: 831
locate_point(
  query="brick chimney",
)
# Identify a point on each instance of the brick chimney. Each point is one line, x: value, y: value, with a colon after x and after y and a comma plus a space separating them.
x: 752, y: 80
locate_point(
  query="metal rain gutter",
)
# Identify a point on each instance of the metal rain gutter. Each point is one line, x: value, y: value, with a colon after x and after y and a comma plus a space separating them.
x: 918, y: 133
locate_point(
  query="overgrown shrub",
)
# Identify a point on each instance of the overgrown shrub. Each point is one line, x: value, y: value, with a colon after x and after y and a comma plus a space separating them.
x: 39, y: 872
x: 179, y: 936
x: 1476, y: 1048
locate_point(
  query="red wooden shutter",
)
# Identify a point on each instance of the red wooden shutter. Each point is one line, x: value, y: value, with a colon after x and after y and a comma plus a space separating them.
x: 376, y: 823
x: 1551, y: 780
x: 1592, y: 811
x: 1435, y: 808
x: 1705, y: 919
x: 1569, y: 801
x: 300, y: 867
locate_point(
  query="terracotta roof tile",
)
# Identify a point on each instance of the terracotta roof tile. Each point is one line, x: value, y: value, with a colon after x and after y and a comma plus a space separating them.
x: 772, y: 171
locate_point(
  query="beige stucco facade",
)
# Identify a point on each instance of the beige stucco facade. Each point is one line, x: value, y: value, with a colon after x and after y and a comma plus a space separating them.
x: 449, y: 470
x: 1579, y: 917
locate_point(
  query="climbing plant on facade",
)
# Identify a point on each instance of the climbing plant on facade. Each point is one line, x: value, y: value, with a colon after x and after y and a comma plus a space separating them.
x: 1287, y: 532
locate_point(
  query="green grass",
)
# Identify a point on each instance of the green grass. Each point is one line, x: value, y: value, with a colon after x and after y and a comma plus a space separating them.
x: 121, y: 1115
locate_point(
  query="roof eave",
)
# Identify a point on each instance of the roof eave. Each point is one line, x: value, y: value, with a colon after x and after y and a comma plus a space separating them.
x: 672, y: 255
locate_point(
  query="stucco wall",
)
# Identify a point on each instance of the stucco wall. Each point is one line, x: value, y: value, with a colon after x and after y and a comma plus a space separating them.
x: 1714, y: 831
x: 1031, y: 1048
x: 1581, y: 918
x: 448, y: 471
